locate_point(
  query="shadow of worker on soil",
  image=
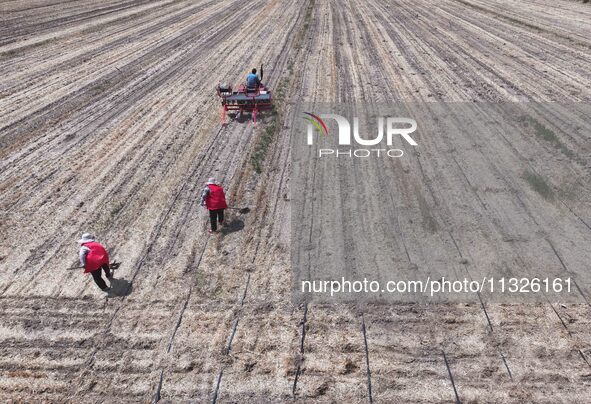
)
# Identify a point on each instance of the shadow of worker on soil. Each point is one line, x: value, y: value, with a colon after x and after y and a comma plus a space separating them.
x: 120, y: 287
x: 232, y: 226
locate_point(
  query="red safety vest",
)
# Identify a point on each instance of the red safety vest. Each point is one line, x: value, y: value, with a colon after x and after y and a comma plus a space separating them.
x: 215, y: 199
x: 96, y: 257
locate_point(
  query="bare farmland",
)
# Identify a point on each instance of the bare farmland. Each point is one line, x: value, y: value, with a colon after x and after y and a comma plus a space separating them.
x: 110, y: 124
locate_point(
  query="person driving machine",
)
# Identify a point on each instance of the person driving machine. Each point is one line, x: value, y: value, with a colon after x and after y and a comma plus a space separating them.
x: 253, y: 81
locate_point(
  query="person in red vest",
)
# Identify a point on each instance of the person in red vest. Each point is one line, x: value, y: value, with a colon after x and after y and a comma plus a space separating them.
x: 214, y: 199
x: 94, y: 258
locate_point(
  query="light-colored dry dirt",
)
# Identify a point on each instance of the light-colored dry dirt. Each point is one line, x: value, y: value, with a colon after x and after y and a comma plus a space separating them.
x: 109, y: 124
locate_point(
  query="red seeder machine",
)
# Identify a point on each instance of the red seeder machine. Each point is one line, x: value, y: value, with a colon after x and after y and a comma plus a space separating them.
x: 245, y: 99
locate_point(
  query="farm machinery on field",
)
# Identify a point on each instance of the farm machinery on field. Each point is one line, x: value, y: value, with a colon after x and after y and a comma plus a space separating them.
x: 245, y: 99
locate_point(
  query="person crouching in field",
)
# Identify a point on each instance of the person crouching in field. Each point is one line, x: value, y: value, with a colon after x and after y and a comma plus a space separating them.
x: 214, y: 199
x: 94, y: 258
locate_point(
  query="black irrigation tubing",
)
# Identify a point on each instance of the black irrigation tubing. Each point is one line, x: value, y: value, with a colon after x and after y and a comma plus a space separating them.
x: 482, y: 305
x: 465, y: 265
x: 235, y: 326
x: 216, y: 391
x: 305, y: 317
x: 156, y: 233
x: 180, y: 319
x: 480, y: 298
x: 581, y: 353
x: 451, y: 378
x: 156, y: 396
x: 558, y: 315
x: 562, y: 263
x: 584, y: 358
x: 228, y: 347
x: 301, y: 358
x: 370, y: 397
x: 196, y: 265
x: 506, y: 365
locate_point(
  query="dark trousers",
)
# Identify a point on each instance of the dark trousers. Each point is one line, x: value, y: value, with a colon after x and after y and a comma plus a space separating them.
x: 216, y: 216
x: 96, y: 275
